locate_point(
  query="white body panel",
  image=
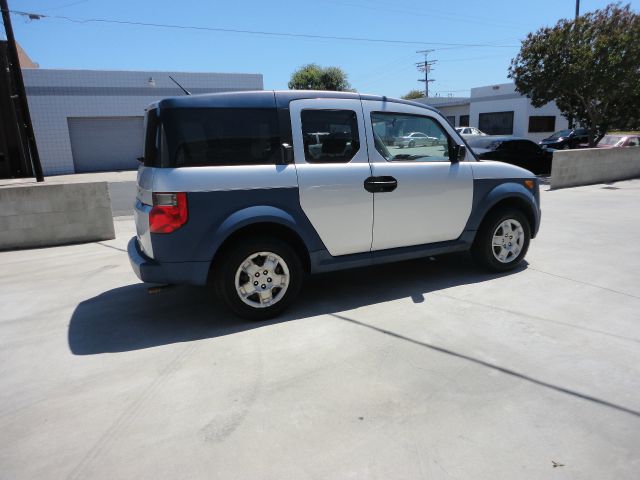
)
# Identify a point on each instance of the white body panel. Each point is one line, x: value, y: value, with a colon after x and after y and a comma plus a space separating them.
x: 490, y: 169
x: 141, y: 211
x: 433, y: 200
x: 332, y: 195
x: 223, y: 178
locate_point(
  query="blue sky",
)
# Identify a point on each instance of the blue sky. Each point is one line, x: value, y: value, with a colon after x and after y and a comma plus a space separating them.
x: 387, y: 69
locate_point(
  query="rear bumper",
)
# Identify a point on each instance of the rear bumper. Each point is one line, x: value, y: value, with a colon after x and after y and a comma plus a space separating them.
x: 177, y: 273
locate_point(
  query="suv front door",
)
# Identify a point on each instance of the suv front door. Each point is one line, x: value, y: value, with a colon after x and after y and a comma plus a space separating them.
x: 331, y: 160
x: 433, y: 198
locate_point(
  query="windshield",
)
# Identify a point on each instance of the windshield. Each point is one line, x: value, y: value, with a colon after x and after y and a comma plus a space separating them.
x: 561, y: 133
x: 610, y: 140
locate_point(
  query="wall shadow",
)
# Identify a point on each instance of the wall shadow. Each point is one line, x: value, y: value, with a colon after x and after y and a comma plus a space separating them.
x: 128, y: 318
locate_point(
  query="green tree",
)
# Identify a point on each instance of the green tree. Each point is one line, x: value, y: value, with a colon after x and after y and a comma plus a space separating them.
x: 589, y: 66
x: 315, y: 77
x: 413, y: 94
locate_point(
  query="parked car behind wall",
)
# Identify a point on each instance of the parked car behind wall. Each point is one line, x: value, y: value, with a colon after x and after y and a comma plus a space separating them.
x: 619, y: 140
x: 565, y: 139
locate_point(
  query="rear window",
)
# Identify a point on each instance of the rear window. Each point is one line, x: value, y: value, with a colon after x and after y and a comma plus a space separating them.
x: 221, y: 136
x: 151, y: 147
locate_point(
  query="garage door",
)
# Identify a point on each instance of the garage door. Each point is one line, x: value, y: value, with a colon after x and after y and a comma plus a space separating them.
x: 105, y: 143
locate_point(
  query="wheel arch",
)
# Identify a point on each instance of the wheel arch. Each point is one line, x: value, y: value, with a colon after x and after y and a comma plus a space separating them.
x: 510, y: 195
x: 262, y: 221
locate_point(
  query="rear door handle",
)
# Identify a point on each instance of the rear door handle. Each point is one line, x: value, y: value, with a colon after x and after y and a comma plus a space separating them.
x: 380, y: 184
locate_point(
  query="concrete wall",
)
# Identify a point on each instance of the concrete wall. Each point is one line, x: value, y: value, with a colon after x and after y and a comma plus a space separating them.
x: 55, y: 95
x: 44, y: 215
x: 571, y: 168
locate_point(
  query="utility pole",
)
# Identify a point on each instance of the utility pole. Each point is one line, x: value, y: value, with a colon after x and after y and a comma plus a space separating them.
x: 19, y: 98
x: 570, y: 118
x: 426, y: 67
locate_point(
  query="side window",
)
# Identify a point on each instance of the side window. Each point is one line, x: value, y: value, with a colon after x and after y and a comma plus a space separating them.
x: 201, y: 137
x: 330, y: 136
x: 392, y: 131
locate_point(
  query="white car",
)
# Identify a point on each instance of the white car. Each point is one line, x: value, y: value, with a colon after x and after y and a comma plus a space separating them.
x: 468, y: 131
x: 416, y: 139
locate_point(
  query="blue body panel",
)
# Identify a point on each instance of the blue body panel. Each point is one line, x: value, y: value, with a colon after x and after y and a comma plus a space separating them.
x: 148, y: 270
x: 489, y: 192
x: 213, y: 216
x: 185, y: 255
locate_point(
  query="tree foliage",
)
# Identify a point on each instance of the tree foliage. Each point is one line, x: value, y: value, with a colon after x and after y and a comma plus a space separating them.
x: 315, y: 77
x: 413, y: 94
x: 589, y: 66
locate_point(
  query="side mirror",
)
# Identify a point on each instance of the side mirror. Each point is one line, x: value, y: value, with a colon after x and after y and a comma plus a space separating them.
x: 287, y: 154
x: 459, y: 152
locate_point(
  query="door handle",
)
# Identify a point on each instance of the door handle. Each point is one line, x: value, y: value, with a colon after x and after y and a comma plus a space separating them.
x: 380, y: 184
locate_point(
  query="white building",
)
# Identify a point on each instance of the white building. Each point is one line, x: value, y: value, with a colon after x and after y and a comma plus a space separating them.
x: 92, y: 120
x: 500, y: 110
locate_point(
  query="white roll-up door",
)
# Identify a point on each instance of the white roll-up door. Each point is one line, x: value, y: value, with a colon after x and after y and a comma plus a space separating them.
x: 105, y: 143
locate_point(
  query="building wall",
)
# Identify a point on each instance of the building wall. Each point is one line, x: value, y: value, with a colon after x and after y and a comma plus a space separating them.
x: 56, y: 95
x: 454, y: 111
x: 504, y: 98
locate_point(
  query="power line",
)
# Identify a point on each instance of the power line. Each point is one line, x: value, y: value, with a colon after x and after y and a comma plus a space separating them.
x: 38, y: 16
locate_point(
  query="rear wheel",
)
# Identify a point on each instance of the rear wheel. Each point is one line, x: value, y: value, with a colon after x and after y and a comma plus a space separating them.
x: 258, y: 279
x: 412, y: 144
x: 502, y: 241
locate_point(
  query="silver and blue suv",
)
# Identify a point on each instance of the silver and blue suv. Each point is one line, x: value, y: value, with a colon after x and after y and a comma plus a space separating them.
x: 250, y: 191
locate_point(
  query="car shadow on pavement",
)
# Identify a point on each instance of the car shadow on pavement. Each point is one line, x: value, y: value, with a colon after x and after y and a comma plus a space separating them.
x: 129, y: 318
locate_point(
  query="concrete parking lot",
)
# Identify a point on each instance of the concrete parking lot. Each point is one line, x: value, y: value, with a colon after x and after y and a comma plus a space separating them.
x: 426, y: 369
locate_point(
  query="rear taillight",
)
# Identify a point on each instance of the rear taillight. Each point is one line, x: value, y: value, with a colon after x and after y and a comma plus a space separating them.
x: 169, y: 212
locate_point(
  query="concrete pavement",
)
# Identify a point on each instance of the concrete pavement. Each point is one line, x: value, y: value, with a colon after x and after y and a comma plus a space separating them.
x: 426, y: 369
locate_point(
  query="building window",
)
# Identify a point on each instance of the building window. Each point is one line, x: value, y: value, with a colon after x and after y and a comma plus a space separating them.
x: 464, y: 121
x: 452, y: 120
x: 539, y: 123
x: 496, y: 123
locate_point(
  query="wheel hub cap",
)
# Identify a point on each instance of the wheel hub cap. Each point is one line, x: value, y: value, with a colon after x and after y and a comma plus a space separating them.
x: 262, y: 279
x: 508, y: 240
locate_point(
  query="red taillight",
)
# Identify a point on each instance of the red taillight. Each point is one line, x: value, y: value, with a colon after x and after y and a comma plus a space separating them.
x: 169, y: 212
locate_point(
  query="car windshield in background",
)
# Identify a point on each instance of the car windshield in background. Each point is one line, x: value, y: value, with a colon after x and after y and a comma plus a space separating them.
x: 561, y: 133
x: 485, y: 143
x: 610, y: 140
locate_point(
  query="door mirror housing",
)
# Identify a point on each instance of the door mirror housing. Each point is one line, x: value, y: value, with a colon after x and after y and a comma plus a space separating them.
x: 458, y: 153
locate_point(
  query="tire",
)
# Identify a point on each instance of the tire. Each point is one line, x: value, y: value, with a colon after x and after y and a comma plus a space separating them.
x: 502, y: 257
x: 230, y: 278
x: 412, y: 144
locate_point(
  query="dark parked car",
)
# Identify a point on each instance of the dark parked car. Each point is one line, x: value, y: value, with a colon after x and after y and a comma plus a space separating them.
x: 565, y: 139
x: 516, y: 151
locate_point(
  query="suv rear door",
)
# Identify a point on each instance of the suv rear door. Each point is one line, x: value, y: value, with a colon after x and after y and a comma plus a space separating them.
x: 433, y: 198
x: 331, y: 160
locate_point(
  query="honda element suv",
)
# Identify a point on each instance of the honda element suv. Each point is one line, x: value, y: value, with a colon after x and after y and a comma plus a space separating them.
x: 249, y: 191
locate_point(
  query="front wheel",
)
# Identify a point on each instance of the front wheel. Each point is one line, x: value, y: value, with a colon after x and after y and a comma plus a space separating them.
x: 412, y: 144
x: 502, y: 241
x: 258, y: 279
